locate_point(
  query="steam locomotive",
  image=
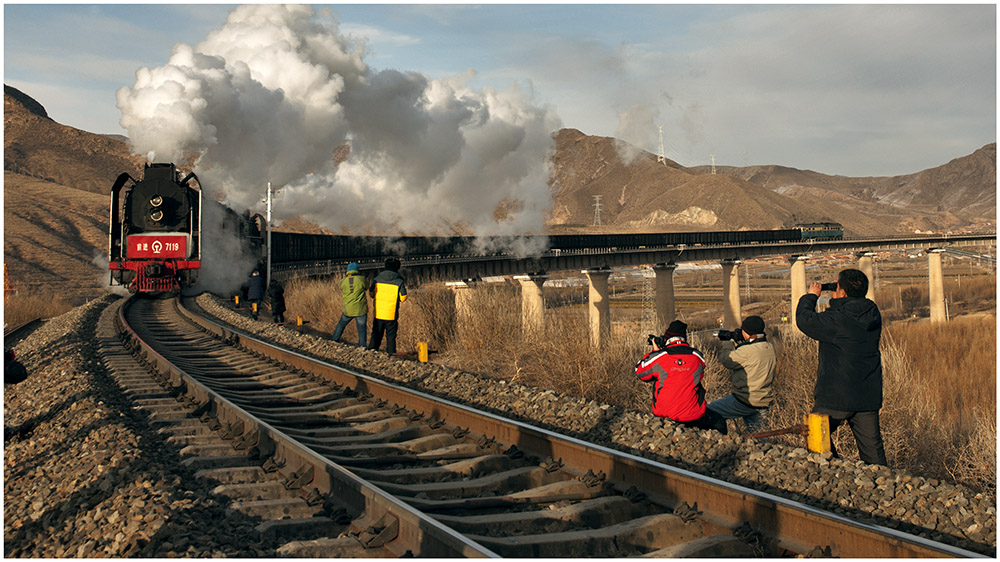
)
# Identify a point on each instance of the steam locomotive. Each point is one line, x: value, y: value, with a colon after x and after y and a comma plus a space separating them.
x: 155, y: 230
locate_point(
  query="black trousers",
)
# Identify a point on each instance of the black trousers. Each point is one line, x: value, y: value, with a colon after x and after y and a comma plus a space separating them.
x: 867, y: 434
x: 389, y: 327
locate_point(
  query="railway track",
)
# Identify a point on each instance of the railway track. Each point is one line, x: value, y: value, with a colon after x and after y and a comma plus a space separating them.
x: 334, y: 461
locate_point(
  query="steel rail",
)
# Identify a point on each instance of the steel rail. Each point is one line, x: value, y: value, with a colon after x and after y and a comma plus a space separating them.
x: 417, y: 534
x: 15, y: 331
x: 796, y: 527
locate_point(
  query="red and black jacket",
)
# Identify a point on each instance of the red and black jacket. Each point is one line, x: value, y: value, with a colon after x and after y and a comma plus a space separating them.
x: 677, y: 371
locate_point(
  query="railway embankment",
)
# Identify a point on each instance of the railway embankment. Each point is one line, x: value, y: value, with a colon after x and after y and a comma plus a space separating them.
x: 86, y: 476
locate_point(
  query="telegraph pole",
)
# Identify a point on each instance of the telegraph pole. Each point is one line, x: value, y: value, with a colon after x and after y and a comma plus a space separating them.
x: 661, y: 157
x: 268, y: 278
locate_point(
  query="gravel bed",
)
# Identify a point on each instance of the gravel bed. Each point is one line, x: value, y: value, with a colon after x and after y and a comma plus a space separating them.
x: 85, y: 476
x: 939, y: 511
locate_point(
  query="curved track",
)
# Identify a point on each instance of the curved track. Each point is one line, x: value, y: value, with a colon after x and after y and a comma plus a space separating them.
x: 319, y: 450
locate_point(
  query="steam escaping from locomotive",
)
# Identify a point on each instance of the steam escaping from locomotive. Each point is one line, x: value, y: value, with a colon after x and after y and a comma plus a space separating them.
x: 279, y: 94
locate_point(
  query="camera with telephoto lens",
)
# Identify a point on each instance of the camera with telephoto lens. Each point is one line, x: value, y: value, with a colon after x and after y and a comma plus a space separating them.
x: 660, y: 341
x: 726, y: 335
x: 829, y: 287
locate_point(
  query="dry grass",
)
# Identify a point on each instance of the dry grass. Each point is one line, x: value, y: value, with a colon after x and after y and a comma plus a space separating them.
x: 20, y: 308
x: 939, y: 413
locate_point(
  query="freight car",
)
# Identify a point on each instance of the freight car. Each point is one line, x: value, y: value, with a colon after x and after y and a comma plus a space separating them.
x: 299, y: 248
x: 154, y: 241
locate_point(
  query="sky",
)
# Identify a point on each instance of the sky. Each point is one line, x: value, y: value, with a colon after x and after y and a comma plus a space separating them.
x: 853, y: 90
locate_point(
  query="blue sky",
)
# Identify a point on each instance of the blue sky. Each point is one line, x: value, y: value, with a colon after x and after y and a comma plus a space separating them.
x: 854, y: 90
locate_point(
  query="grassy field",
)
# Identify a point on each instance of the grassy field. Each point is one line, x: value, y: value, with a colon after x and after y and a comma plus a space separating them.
x: 939, y: 413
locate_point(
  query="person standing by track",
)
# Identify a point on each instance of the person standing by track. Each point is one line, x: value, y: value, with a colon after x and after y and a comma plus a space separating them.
x: 353, y: 287
x: 387, y: 291
x: 255, y: 292
x: 849, y: 375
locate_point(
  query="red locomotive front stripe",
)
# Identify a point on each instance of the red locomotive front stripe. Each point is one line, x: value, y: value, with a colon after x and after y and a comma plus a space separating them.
x: 167, y: 245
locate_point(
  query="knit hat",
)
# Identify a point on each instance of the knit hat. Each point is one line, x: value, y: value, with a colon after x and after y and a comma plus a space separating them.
x: 753, y: 325
x: 353, y: 267
x: 677, y: 328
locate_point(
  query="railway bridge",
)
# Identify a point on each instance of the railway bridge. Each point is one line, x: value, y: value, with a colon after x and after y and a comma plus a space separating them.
x: 597, y: 264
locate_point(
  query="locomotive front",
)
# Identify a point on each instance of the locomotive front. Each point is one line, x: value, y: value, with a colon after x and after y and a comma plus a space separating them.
x: 155, y: 233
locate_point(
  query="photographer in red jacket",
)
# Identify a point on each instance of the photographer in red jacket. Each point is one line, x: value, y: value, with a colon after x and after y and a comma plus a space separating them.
x: 676, y: 369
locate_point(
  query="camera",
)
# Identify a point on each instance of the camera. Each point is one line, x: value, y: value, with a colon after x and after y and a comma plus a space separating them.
x: 726, y: 335
x: 829, y: 287
x: 660, y: 341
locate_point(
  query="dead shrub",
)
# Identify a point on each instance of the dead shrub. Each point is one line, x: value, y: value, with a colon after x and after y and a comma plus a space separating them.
x: 23, y: 307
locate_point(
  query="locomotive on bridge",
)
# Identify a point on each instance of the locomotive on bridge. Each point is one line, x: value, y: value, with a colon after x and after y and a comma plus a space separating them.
x: 155, y: 230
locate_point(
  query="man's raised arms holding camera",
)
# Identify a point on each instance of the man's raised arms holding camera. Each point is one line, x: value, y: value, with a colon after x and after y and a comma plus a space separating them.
x: 753, y: 364
x: 849, y: 376
x: 676, y: 369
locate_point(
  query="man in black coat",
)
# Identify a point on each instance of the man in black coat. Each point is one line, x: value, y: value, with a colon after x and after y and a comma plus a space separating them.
x: 849, y: 377
x: 255, y: 292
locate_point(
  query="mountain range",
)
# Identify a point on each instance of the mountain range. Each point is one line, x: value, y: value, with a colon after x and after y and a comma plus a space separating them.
x: 57, y: 181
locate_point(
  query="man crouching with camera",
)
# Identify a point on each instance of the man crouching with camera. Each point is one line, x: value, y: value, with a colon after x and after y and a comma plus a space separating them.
x: 752, y: 362
x: 676, y: 368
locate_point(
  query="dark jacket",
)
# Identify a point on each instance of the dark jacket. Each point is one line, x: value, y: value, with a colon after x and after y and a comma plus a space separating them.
x: 849, y: 377
x: 388, y: 289
x: 255, y: 288
x: 276, y: 294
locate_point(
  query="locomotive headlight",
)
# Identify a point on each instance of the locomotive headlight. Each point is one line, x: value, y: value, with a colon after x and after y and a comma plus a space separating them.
x: 156, y: 201
x: 156, y: 215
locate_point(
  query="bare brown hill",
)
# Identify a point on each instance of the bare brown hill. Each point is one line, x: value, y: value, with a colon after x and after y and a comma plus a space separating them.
x: 34, y: 145
x: 964, y: 187
x: 642, y: 194
x: 57, y: 179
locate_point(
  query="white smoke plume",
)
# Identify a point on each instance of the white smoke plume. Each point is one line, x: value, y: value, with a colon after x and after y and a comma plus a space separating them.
x: 274, y: 92
x: 636, y: 128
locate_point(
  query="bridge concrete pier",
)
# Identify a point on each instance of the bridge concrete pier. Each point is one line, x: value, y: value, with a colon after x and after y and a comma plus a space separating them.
x: 798, y: 281
x: 866, y: 263
x: 936, y: 285
x: 463, y: 300
x: 532, y: 302
x: 599, y: 306
x: 731, y: 294
x: 665, y: 309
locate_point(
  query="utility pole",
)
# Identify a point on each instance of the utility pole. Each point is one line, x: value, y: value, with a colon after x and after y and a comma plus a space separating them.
x: 661, y: 156
x: 713, y: 163
x: 746, y: 271
x: 597, y: 210
x: 268, y: 278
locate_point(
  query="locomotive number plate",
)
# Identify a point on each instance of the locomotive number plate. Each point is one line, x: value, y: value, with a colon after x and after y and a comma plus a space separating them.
x: 158, y: 246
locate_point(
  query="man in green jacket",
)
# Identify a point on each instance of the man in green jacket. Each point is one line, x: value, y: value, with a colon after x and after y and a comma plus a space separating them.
x: 353, y: 287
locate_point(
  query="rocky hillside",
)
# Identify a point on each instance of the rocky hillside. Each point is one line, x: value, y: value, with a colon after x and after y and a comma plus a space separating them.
x: 57, y: 180
x: 35, y: 145
x: 964, y: 187
x: 646, y: 195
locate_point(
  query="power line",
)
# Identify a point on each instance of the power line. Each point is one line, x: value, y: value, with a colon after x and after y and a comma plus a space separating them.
x: 597, y: 210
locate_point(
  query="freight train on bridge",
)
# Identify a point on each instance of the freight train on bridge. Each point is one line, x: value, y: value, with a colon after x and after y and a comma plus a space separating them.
x: 287, y: 247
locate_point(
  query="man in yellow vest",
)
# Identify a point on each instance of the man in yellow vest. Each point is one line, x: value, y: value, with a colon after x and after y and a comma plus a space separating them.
x: 388, y: 290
